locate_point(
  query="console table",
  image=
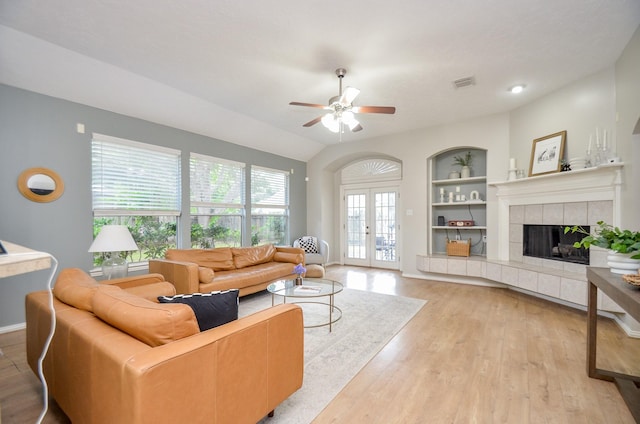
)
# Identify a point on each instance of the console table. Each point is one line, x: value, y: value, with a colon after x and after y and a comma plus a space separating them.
x: 628, y: 298
x: 22, y: 260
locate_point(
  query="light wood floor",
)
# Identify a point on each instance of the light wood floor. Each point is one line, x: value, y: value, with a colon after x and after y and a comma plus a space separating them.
x: 471, y: 355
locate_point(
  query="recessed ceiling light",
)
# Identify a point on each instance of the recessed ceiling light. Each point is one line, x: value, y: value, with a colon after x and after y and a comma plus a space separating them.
x: 517, y: 88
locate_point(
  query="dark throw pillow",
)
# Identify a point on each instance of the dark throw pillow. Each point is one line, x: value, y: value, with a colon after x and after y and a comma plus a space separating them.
x: 211, y: 309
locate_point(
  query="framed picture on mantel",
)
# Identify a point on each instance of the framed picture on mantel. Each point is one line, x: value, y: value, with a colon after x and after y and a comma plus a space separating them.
x: 547, y: 153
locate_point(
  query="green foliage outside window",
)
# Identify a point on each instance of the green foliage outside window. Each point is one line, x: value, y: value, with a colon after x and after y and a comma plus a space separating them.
x: 219, y: 233
x: 153, y: 235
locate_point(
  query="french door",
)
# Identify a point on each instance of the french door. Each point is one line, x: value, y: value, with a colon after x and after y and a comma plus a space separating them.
x: 370, y: 227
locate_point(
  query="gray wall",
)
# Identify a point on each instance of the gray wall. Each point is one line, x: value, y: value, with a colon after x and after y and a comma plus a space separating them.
x: 37, y: 130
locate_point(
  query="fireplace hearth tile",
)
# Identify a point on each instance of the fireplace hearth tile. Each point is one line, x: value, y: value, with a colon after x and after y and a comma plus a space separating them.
x: 528, y: 280
x: 578, y: 268
x: 515, y: 233
x: 574, y: 291
x: 575, y: 213
x: 548, y: 263
x: 494, y: 272
x: 515, y: 252
x: 510, y: 275
x: 529, y: 260
x: 533, y: 214
x: 600, y: 211
x: 549, y: 285
x: 516, y: 215
x: 552, y: 213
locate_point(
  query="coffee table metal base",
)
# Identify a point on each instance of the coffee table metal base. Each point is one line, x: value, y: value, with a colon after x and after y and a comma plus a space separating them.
x: 335, y: 313
x: 319, y: 289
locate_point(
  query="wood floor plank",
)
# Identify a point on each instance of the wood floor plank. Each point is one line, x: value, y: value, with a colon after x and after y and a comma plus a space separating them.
x: 471, y: 355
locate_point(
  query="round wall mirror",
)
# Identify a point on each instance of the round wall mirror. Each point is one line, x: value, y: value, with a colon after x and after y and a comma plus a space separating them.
x: 40, y: 185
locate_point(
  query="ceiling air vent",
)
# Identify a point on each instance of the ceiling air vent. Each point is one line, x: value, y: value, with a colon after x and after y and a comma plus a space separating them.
x: 464, y: 82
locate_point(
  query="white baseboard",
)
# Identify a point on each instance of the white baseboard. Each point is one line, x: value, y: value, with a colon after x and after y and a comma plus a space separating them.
x: 14, y: 327
x: 459, y: 279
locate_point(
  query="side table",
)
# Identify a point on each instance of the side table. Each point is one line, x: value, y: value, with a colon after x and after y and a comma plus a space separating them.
x: 628, y: 298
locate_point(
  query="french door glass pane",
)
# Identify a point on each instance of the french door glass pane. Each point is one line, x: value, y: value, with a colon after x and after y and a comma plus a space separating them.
x: 385, y: 209
x: 356, y: 226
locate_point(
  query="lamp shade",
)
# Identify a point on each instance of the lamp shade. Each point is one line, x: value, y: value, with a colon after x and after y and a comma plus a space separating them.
x: 113, y: 238
x: 331, y: 122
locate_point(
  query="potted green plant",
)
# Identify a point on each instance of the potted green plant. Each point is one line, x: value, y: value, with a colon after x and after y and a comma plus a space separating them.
x: 465, y: 162
x: 623, y: 244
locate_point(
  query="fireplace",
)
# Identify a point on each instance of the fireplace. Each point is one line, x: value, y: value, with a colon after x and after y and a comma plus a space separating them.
x: 550, y: 242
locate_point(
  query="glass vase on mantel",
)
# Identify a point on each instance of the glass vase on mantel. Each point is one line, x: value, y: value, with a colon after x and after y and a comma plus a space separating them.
x: 465, y: 172
x: 299, y: 280
x: 621, y: 263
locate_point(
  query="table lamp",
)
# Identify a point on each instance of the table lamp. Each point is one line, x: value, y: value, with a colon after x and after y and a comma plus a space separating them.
x: 112, y: 239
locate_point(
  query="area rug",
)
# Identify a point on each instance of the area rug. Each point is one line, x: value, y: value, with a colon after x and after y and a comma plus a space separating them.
x: 332, y: 359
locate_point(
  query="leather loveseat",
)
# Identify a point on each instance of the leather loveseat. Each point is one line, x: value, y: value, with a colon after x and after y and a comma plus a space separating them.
x: 248, y: 269
x: 118, y: 357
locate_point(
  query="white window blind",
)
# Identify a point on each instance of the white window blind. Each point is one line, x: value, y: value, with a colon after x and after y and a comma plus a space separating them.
x: 269, y: 187
x: 132, y: 178
x: 216, y: 182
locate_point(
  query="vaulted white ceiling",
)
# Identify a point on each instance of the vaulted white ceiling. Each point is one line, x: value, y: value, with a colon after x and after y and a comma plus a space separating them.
x: 228, y: 69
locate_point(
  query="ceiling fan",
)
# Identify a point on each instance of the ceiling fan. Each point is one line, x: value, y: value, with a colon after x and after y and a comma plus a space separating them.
x: 341, y: 109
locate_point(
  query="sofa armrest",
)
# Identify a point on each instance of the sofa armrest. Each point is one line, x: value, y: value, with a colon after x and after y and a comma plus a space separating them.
x: 294, y: 255
x: 183, y: 275
x: 288, y: 249
x: 245, y: 368
x: 324, y: 251
x: 134, y: 281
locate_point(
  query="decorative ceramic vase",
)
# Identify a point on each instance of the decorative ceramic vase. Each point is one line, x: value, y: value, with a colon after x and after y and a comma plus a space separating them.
x: 454, y: 175
x: 465, y: 172
x: 298, y: 280
x: 621, y: 263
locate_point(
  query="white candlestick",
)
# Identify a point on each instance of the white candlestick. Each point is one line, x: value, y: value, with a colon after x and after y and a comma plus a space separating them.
x: 441, y: 190
x: 590, y: 140
x: 512, y: 163
x: 597, y: 137
x: 604, y: 139
x: 451, y: 197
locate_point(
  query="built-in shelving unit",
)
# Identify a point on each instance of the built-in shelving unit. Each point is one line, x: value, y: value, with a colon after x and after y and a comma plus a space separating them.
x: 473, y: 189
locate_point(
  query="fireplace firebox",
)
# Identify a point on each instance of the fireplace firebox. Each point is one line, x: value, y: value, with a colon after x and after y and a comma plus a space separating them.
x: 550, y: 242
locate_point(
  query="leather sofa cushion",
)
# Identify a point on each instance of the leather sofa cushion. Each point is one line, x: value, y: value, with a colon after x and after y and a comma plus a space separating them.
x: 211, y: 309
x: 294, y: 258
x: 205, y: 275
x: 256, y: 255
x: 76, y: 288
x: 218, y: 259
x: 152, y: 323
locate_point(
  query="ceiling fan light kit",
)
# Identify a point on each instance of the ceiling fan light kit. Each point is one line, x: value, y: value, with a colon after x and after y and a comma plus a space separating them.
x: 342, y: 112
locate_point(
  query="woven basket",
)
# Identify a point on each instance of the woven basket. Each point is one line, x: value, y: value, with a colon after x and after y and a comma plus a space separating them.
x: 458, y: 247
x: 633, y: 279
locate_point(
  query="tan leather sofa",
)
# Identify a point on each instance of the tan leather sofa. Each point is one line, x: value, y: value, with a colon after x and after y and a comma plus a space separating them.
x: 248, y: 269
x: 118, y: 357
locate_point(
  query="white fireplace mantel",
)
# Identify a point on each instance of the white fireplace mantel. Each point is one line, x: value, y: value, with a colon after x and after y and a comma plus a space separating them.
x: 583, y: 185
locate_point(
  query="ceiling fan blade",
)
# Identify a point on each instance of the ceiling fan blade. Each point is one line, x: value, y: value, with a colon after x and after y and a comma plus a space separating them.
x: 348, y: 95
x: 313, y: 122
x: 374, y: 109
x: 357, y: 128
x: 308, y: 105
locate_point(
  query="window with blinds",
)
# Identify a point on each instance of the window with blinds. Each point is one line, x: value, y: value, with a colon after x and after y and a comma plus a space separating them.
x: 217, y: 193
x: 129, y: 177
x: 137, y: 185
x: 269, y: 206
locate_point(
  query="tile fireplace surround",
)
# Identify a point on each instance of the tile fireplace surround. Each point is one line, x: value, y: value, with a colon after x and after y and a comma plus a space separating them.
x: 581, y: 197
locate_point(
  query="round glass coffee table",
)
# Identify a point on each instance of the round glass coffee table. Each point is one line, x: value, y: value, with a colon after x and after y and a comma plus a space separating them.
x: 312, y: 290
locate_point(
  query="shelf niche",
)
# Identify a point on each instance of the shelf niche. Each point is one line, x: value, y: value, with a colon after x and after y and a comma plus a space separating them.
x: 440, y: 167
